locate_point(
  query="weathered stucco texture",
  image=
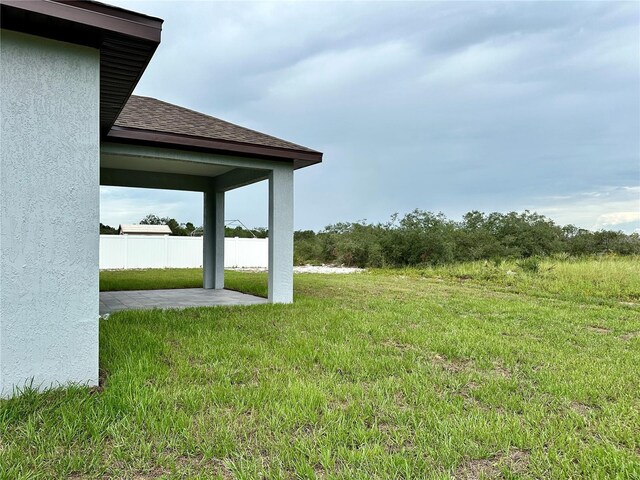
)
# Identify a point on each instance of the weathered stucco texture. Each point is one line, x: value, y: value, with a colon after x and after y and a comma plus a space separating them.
x: 49, y: 212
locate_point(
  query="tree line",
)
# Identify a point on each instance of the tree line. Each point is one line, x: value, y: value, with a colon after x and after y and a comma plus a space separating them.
x: 188, y: 229
x: 427, y: 238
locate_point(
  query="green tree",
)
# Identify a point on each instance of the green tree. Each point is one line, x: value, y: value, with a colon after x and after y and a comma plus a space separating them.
x: 177, y: 229
x: 108, y: 230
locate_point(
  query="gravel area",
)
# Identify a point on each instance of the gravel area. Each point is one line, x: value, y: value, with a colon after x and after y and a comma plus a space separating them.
x: 310, y: 269
x: 326, y: 269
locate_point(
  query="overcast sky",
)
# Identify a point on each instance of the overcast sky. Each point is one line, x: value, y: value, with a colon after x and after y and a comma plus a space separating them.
x: 445, y: 107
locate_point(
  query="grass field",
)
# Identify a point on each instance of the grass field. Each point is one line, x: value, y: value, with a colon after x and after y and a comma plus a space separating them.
x: 471, y: 371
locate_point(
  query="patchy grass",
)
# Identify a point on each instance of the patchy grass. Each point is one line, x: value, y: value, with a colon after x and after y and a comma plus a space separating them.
x: 389, y: 374
x: 606, y: 279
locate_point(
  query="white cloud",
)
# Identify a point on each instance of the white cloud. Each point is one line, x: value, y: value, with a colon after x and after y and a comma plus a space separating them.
x: 618, y: 218
x: 607, y: 208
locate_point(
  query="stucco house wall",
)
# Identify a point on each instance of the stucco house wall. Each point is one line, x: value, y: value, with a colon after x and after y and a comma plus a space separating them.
x: 49, y: 187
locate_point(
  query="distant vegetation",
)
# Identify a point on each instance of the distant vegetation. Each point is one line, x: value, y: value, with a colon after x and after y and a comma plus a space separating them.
x: 185, y: 229
x: 107, y: 230
x: 177, y: 229
x: 426, y: 238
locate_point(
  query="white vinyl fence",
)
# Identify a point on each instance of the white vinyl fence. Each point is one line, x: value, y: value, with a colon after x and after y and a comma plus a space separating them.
x: 143, y: 251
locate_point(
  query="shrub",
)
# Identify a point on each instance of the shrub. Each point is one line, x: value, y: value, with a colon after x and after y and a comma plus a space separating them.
x: 529, y: 264
x: 427, y: 238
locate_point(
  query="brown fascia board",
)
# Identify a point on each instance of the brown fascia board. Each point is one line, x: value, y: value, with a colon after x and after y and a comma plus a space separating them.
x: 90, y: 14
x: 105, y: 8
x: 225, y: 147
x: 127, y: 40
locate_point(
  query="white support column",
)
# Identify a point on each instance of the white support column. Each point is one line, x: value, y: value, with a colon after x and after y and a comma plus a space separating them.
x: 281, y: 235
x: 213, y: 240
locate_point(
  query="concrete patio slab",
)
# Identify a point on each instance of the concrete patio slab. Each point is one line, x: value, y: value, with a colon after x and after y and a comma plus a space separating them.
x: 173, y: 298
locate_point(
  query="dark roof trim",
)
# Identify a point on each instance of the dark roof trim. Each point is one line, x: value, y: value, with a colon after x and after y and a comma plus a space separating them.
x: 127, y: 40
x: 225, y: 147
x: 93, y: 14
x: 113, y: 9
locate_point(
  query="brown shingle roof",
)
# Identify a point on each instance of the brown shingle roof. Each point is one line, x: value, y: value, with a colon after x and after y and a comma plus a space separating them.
x: 145, y: 113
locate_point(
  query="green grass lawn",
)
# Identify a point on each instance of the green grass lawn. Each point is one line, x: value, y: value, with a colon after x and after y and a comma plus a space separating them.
x: 253, y: 283
x: 463, y: 372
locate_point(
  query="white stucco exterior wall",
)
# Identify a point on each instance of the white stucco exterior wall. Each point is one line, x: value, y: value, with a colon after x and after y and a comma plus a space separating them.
x: 49, y: 211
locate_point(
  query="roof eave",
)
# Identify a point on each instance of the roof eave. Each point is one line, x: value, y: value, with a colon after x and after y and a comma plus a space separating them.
x: 91, y: 14
x: 300, y: 158
x: 127, y: 40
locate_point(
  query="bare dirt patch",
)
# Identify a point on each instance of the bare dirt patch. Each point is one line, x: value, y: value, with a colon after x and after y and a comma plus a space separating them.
x: 155, y: 472
x: 582, y: 408
x: 403, y: 347
x: 400, y: 401
x: 516, y: 461
x: 466, y: 392
x: 501, y: 371
x: 630, y: 335
x: 189, y: 466
x: 452, y: 365
x: 477, y: 468
x: 597, y: 329
x: 630, y: 304
x: 102, y: 380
